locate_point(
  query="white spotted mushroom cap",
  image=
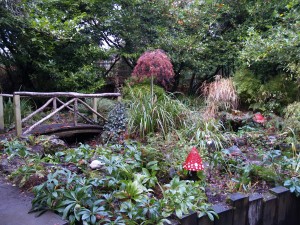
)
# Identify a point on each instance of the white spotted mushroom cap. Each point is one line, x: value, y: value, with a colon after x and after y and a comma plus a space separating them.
x: 259, y: 118
x: 193, y: 161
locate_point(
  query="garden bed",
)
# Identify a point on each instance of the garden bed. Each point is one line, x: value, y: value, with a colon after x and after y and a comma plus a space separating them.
x: 144, y: 180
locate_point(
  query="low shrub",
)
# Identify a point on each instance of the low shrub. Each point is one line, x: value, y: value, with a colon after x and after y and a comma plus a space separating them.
x: 292, y: 117
x: 264, y: 95
x: 116, y: 126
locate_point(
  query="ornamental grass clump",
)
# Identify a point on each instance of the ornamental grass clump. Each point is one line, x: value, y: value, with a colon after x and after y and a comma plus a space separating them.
x: 150, y: 114
x: 219, y: 95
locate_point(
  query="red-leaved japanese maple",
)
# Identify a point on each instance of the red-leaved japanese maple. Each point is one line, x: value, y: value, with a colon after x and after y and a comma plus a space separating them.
x: 154, y: 64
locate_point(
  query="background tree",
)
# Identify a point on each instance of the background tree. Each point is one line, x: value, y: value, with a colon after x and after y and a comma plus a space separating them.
x: 57, y: 45
x: 154, y: 64
x: 50, y: 47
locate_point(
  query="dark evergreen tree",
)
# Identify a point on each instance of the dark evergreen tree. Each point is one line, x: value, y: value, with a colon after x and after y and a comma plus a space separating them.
x: 115, y: 127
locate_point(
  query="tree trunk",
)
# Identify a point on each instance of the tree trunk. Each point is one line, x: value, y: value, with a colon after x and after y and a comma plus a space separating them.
x: 191, y: 90
x: 177, y: 78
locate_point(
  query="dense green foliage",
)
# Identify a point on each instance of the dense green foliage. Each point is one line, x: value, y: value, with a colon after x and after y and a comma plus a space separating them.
x: 9, y: 114
x: 272, y: 95
x: 126, y: 190
x: 292, y: 117
x: 62, y: 43
x: 76, y: 45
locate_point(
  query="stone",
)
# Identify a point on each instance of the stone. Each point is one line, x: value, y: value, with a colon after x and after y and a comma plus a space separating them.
x: 4, y: 166
x: 96, y: 164
x: 234, y: 150
x: 15, y: 205
x: 52, y: 144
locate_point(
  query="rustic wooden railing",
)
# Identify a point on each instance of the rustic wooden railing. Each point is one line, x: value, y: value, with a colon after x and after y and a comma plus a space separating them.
x: 54, y: 98
x: 2, y: 110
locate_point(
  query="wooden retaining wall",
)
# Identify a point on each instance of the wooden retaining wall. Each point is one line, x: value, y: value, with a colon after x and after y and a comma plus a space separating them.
x: 277, y: 207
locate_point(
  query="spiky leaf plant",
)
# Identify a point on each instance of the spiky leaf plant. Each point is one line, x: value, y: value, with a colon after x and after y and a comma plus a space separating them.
x: 149, y: 114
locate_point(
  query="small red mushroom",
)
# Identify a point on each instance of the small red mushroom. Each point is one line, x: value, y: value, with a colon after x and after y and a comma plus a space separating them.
x: 193, y: 161
x: 259, y: 118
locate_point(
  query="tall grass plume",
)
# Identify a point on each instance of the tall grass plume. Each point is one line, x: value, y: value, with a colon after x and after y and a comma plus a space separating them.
x: 219, y: 95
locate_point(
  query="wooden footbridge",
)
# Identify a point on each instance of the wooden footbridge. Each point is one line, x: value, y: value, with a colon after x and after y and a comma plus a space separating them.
x: 56, y: 104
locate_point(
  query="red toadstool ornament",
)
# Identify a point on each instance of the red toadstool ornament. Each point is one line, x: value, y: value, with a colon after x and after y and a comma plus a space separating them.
x: 193, y: 161
x: 259, y: 118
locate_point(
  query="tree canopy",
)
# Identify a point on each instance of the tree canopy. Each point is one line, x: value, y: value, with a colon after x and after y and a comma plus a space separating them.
x: 59, y: 45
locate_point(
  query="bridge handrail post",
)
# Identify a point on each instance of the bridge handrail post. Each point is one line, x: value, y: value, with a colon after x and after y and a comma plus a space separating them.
x: 17, y: 111
x: 75, y: 112
x: 1, y: 114
x: 95, y: 106
x: 54, y: 103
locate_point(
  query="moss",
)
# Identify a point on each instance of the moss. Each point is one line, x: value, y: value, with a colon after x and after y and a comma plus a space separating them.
x: 264, y: 173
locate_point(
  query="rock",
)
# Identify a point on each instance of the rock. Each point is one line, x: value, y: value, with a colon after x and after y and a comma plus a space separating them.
x: 234, y: 150
x: 235, y: 120
x: 52, y: 144
x: 4, y: 166
x: 172, y: 172
x: 272, y: 139
x: 257, y: 163
x: 96, y: 164
x: 240, y: 141
x: 38, y: 149
x: 211, y: 147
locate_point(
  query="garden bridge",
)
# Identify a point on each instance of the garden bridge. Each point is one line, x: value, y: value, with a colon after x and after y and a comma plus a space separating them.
x: 70, y: 102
